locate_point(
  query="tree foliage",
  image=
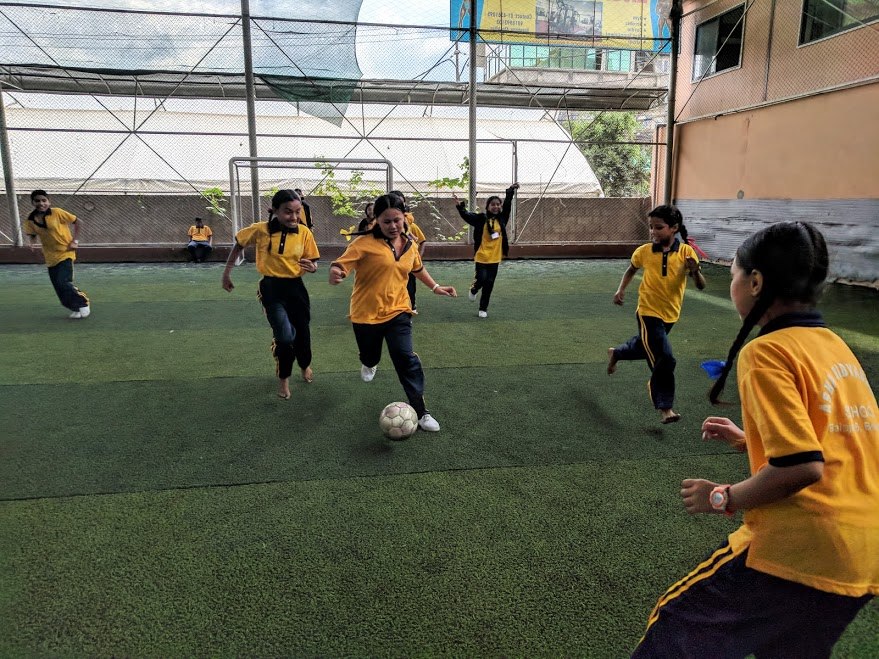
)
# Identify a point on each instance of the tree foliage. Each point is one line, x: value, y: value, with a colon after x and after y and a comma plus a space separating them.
x: 622, y: 169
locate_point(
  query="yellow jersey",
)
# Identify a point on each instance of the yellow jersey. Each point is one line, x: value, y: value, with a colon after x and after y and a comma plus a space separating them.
x: 53, y: 229
x: 491, y: 246
x: 805, y: 397
x: 381, y: 276
x: 661, y: 292
x: 200, y: 234
x: 278, y: 253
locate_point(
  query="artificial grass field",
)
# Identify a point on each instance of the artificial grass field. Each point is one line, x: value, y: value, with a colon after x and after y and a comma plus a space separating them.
x: 159, y: 500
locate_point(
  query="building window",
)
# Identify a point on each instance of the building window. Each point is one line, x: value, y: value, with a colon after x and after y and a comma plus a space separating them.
x: 823, y: 18
x: 719, y: 43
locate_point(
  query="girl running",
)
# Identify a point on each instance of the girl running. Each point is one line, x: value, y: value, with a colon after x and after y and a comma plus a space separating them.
x: 806, y: 559
x: 490, y: 242
x: 285, y: 249
x: 667, y: 260
x: 380, y: 311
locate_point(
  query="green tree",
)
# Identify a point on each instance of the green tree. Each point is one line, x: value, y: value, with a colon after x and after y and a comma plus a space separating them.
x: 622, y: 169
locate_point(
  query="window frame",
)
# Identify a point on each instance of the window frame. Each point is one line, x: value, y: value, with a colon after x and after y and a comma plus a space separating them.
x: 717, y: 17
x: 803, y: 44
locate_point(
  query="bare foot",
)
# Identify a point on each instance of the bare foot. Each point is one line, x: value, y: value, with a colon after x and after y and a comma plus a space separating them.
x: 611, y: 361
x: 308, y: 374
x: 668, y: 416
x: 284, y: 389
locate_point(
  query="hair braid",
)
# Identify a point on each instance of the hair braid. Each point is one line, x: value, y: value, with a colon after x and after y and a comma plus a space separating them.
x: 755, y: 314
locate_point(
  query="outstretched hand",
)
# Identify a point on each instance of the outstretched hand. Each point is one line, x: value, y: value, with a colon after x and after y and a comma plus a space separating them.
x: 723, y: 429
x: 448, y: 291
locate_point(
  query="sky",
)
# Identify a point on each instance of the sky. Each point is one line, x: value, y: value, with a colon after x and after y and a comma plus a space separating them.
x: 381, y: 52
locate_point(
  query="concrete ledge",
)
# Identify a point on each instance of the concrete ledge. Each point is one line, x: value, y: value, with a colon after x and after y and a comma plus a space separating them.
x: 435, y: 252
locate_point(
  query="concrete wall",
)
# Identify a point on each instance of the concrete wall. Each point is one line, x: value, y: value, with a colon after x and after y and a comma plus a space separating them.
x: 164, y: 220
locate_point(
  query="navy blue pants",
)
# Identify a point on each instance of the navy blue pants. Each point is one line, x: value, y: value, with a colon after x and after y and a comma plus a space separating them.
x: 199, y: 250
x: 397, y: 333
x: 652, y: 345
x: 61, y: 276
x: 411, y: 285
x: 486, y: 273
x: 288, y: 310
x: 726, y: 610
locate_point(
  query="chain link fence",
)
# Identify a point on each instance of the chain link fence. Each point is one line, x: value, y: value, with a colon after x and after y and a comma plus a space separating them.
x: 129, y: 119
x: 805, y: 48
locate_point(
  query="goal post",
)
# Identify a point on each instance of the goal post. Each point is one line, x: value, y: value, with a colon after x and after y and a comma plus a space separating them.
x: 306, y: 174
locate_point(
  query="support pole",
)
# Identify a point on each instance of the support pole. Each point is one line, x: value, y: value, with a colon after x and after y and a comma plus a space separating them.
x: 472, y: 115
x: 675, y: 21
x: 6, y: 156
x: 251, y: 105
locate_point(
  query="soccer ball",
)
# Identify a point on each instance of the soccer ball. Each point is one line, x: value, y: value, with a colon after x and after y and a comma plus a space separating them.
x: 398, y: 421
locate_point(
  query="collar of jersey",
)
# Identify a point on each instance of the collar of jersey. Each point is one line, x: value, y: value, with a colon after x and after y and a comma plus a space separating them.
x: 794, y: 319
x: 675, y: 246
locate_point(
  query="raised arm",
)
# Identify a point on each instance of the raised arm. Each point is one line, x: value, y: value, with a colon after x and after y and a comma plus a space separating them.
x: 507, y: 208
x: 473, y: 219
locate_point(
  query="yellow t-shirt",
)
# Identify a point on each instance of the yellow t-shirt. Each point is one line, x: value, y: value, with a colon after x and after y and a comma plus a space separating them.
x: 380, y: 282
x: 804, y: 394
x: 54, y: 234
x: 201, y: 235
x: 414, y: 230
x: 278, y: 254
x: 490, y: 249
x: 661, y: 292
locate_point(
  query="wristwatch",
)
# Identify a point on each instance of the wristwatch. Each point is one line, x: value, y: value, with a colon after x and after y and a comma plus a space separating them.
x: 719, y: 500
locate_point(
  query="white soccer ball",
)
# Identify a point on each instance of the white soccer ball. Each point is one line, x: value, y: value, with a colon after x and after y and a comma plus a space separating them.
x: 398, y: 421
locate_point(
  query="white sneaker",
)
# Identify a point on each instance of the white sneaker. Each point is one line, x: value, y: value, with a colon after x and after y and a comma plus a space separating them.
x: 75, y: 314
x: 471, y: 296
x: 483, y: 314
x: 84, y: 312
x: 428, y: 423
x: 367, y: 373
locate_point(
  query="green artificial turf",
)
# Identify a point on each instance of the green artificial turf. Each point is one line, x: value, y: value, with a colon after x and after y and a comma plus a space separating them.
x: 157, y: 499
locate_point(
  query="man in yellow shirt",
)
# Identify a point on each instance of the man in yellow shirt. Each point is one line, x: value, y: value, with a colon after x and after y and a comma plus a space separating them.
x: 201, y: 241
x: 52, y: 227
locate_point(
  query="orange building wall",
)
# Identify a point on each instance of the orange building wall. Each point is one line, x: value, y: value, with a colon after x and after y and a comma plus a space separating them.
x: 821, y: 147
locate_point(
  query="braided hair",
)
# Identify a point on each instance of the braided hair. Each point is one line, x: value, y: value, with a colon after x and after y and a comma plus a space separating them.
x: 792, y: 257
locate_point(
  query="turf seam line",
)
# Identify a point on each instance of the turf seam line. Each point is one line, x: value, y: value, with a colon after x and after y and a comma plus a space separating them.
x: 278, y: 481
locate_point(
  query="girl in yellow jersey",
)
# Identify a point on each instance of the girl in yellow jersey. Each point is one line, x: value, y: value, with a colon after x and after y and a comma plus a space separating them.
x: 490, y: 242
x: 806, y: 558
x: 667, y: 260
x: 383, y: 258
x: 285, y: 249
x: 52, y: 227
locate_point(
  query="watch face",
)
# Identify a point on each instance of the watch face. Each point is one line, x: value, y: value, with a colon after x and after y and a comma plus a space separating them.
x: 716, y: 499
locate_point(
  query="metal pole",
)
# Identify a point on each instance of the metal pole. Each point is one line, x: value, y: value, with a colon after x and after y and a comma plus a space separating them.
x: 6, y: 155
x: 675, y: 20
x: 251, y: 105
x: 472, y: 117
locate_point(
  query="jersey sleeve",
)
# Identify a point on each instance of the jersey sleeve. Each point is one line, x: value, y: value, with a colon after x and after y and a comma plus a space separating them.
x: 417, y: 264
x: 309, y: 248
x: 64, y: 216
x: 688, y: 252
x: 350, y: 257
x: 247, y: 235
x: 638, y: 257
x: 29, y: 228
x: 771, y: 394
x: 208, y: 232
x: 191, y: 231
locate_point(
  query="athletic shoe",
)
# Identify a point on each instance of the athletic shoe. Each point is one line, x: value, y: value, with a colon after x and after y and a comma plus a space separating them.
x: 367, y: 373
x: 471, y: 296
x: 414, y: 311
x: 428, y: 423
x: 483, y: 314
x: 84, y: 312
x: 75, y: 314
